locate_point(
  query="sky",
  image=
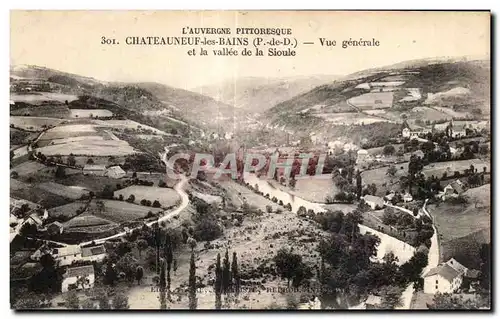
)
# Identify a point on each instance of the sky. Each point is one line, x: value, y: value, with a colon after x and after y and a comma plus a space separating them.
x: 70, y: 41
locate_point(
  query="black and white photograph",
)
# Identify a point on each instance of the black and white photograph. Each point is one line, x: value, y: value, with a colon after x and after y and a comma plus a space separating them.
x: 250, y: 160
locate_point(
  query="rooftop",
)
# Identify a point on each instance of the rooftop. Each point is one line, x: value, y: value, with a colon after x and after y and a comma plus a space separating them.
x: 94, y: 167
x: 93, y: 251
x: 80, y: 271
x: 445, y: 271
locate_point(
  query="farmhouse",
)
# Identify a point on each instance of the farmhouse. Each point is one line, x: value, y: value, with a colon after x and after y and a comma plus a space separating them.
x: 362, y: 156
x: 374, y: 202
x: 34, y: 219
x: 67, y: 255
x: 445, y: 278
x: 96, y: 253
x: 78, y: 278
x: 454, y: 189
x: 115, y: 172
x: 97, y: 170
x: 407, y: 197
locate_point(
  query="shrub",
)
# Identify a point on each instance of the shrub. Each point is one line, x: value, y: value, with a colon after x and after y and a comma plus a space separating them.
x: 269, y: 209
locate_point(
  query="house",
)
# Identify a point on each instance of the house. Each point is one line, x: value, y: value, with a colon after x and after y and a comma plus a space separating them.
x: 362, y: 156
x: 82, y: 277
x: 95, y: 253
x: 67, y: 255
x: 374, y: 202
x: 418, y: 153
x: 55, y: 228
x: 389, y: 196
x: 454, y: 189
x: 115, y: 172
x: 445, y: 278
x: 407, y: 197
x: 97, y: 170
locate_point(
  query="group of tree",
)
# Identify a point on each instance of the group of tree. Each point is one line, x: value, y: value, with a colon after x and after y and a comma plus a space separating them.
x: 291, y: 267
x: 227, y: 278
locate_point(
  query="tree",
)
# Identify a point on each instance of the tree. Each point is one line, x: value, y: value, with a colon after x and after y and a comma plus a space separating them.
x: 141, y: 244
x: 192, y: 243
x: 139, y: 273
x: 131, y: 198
x: 90, y: 161
x: 156, y: 204
x: 28, y: 229
x: 287, y: 264
x: 218, y: 283
x: 60, y: 172
x: 392, y: 170
x: 128, y: 265
x: 359, y: 185
x: 162, y: 286
x: 71, y: 160
x: 169, y: 257
x: 226, y: 274
x: 120, y: 301
x: 388, y: 150
x: 107, y: 192
x: 391, y: 297
x: 88, y: 305
x: 193, y: 302
x: 71, y: 300
x: 235, y: 274
x: 450, y: 302
x: 110, y: 274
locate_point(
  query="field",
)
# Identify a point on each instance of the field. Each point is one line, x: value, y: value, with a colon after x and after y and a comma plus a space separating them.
x: 71, y: 192
x: 70, y: 130
x: 166, y: 196
x: 349, y: 118
x: 40, y: 97
x: 85, y: 113
x: 379, y: 177
x: 68, y: 210
x: 426, y: 113
x: 92, y: 183
x: 313, y: 189
x: 238, y: 194
x: 437, y: 169
x: 118, y: 211
x: 36, y: 194
x: 54, y: 111
x: 20, y: 152
x: 89, y: 147
x: 33, y: 123
x: 126, y: 124
x: 372, y: 100
x: 459, y: 221
x: 85, y: 220
x: 28, y: 168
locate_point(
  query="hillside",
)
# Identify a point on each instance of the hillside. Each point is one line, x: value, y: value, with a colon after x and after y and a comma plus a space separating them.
x: 438, y: 90
x: 256, y: 94
x: 174, y: 104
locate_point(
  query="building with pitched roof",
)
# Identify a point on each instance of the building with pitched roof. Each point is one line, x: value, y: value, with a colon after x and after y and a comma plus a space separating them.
x: 445, y: 278
x: 374, y: 202
x: 95, y: 253
x: 76, y: 278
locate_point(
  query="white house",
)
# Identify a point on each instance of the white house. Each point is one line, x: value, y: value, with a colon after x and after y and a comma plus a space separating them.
x: 407, y: 197
x: 115, y: 172
x: 445, y: 278
x: 374, y: 202
x: 97, y: 170
x: 362, y: 156
x: 76, y: 278
x: 67, y: 255
x: 95, y: 253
